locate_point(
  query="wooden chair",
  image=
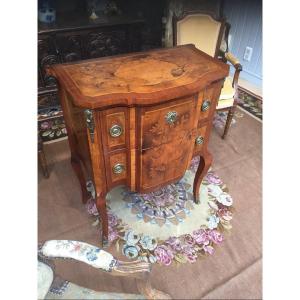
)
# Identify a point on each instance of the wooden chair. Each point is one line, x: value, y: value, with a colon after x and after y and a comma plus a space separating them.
x: 96, y: 258
x: 210, y: 34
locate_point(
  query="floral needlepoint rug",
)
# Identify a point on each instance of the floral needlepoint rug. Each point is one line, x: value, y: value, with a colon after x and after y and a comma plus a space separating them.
x: 167, y: 226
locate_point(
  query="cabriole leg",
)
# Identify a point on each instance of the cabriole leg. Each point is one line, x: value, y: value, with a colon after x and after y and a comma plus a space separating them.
x: 204, y: 165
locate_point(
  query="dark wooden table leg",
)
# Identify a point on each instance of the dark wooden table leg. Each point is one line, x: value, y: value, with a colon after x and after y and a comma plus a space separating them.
x: 228, y: 120
x: 75, y: 162
x: 204, y: 165
x: 101, y: 206
x: 42, y: 157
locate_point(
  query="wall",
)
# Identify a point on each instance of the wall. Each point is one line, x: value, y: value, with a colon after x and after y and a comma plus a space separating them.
x: 245, y: 17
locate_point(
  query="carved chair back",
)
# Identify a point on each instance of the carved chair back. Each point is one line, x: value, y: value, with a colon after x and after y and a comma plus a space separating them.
x: 207, y: 32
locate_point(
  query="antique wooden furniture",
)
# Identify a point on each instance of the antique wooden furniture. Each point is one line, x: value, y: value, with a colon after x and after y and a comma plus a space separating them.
x: 99, y: 259
x: 209, y: 33
x: 138, y: 119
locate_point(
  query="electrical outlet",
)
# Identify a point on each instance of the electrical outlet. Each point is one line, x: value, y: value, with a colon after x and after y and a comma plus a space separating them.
x: 248, y: 53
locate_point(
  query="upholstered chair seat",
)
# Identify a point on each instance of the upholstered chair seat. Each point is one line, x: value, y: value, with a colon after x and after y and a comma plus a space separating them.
x: 227, y: 95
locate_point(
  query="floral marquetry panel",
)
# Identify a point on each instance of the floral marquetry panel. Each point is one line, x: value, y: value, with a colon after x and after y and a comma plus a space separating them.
x: 136, y: 78
x: 168, y: 124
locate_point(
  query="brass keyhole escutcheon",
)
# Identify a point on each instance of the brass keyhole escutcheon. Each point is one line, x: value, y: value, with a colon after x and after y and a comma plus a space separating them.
x: 115, y: 131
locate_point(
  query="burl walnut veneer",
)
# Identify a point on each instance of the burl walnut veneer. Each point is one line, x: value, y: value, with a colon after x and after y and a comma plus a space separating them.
x: 138, y: 119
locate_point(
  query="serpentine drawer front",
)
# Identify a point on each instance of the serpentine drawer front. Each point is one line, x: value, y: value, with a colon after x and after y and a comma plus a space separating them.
x: 138, y: 119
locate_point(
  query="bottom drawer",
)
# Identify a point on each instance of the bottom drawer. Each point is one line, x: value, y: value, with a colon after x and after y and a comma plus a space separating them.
x: 200, y: 138
x: 116, y: 167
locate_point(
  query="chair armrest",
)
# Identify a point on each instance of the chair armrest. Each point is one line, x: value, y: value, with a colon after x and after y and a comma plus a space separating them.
x: 92, y: 256
x: 233, y: 60
x: 228, y: 56
x: 81, y: 251
x: 101, y: 259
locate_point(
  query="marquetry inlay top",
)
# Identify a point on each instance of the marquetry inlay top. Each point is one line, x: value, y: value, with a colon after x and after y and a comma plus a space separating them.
x: 136, y: 75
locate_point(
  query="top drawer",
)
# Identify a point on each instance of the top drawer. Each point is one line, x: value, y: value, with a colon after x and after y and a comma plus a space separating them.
x: 168, y: 123
x: 114, y: 128
x: 209, y: 101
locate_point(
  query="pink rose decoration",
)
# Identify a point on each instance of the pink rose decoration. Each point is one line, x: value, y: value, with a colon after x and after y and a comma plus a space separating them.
x: 174, y: 243
x: 45, y: 125
x: 201, y: 236
x: 215, y: 236
x: 189, y: 252
x: 189, y: 239
x: 213, y: 179
x: 225, y: 214
x: 209, y: 249
x: 163, y: 255
x: 91, y: 207
x: 194, y: 164
x: 112, y: 220
x: 112, y: 234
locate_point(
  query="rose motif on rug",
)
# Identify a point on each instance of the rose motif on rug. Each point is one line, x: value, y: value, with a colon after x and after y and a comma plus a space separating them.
x: 166, y: 226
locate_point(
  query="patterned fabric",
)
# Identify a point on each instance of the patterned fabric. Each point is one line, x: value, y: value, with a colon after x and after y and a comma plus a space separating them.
x: 63, y: 289
x: 74, y: 291
x: 84, y: 252
x: 51, y: 129
x: 45, y: 278
x: 166, y: 226
x: 250, y: 103
x: 169, y: 204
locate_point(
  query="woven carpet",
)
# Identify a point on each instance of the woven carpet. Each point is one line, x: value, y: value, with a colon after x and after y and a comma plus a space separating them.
x: 232, y: 272
x: 166, y: 225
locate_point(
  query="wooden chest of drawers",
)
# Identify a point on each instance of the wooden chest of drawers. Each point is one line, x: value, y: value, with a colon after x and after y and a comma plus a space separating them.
x: 138, y: 119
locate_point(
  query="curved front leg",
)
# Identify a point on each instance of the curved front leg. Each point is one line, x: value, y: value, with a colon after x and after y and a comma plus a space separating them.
x: 101, y: 206
x: 204, y: 165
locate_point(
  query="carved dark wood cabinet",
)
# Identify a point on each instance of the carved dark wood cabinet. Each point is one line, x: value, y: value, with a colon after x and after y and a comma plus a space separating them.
x: 74, y: 40
x: 138, y: 119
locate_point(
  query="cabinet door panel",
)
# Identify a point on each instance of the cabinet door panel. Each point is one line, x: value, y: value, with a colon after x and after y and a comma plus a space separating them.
x: 105, y: 42
x: 70, y: 47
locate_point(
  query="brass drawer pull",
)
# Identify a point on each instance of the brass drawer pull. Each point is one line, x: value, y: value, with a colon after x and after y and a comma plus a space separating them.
x: 171, y: 117
x: 118, y: 168
x: 205, y: 105
x: 199, y: 140
x: 115, y: 131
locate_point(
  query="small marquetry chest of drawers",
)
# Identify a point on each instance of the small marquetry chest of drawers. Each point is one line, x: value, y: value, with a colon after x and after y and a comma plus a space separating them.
x: 138, y: 119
